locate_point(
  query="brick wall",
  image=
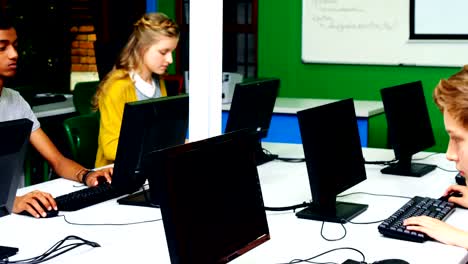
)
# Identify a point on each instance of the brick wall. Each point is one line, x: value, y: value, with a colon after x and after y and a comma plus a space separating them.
x: 83, y: 58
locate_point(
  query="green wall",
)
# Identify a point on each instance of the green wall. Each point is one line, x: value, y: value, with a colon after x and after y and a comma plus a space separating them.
x: 168, y: 7
x: 279, y: 55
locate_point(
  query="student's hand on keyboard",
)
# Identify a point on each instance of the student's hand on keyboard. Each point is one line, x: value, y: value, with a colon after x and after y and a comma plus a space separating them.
x: 438, y: 230
x: 31, y: 202
x: 92, y: 179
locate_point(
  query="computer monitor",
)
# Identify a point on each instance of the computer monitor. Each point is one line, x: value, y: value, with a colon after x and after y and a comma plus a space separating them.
x: 147, y: 125
x: 409, y: 127
x: 14, y: 135
x: 252, y: 107
x: 211, y: 200
x: 330, y: 140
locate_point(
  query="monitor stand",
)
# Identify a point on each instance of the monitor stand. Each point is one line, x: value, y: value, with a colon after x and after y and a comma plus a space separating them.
x: 261, y: 157
x: 6, y: 252
x: 341, y: 213
x: 404, y: 167
x: 140, y: 198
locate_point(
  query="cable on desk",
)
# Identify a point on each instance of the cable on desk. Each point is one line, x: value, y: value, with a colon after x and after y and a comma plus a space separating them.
x: 294, y: 160
x: 381, y: 162
x: 375, y: 194
x: 440, y: 168
x: 56, y: 250
x: 389, y: 162
x: 286, y: 208
x: 430, y: 155
x: 308, y: 260
x: 332, y: 239
x: 110, y: 224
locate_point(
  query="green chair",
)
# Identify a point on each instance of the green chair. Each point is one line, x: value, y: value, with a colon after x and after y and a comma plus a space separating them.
x: 83, y: 93
x: 82, y: 133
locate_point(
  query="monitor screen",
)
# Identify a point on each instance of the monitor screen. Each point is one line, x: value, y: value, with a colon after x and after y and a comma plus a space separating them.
x: 211, y: 200
x: 409, y: 127
x: 252, y: 107
x: 330, y: 138
x: 147, y: 125
x: 15, y: 136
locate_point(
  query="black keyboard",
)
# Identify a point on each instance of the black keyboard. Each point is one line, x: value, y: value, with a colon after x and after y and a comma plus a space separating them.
x: 393, y: 226
x: 86, y: 197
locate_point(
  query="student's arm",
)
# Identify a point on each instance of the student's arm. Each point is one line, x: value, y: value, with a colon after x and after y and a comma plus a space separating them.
x: 63, y: 166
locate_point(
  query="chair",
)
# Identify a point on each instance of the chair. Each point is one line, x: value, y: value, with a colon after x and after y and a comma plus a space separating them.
x: 174, y: 84
x: 82, y: 96
x: 82, y: 133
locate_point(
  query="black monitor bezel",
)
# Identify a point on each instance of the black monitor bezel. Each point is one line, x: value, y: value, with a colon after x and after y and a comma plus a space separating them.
x: 330, y: 137
x: 12, y: 156
x: 252, y: 105
x: 409, y: 127
x: 165, y: 164
x: 138, y: 119
x: 16, y: 135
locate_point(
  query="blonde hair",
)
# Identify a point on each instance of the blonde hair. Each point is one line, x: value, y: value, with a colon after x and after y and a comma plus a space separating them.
x: 451, y: 95
x: 146, y: 31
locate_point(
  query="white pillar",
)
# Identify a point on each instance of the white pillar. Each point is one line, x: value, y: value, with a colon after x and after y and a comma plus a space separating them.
x: 205, y: 68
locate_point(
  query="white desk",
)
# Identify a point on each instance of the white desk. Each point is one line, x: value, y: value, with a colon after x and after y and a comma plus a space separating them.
x: 282, y: 184
x: 286, y: 105
x: 53, y: 109
x: 284, y: 126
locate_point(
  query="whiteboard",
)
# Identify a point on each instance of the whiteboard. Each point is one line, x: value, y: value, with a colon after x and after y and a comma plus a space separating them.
x: 370, y: 32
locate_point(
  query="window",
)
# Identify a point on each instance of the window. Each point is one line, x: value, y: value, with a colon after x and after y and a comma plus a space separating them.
x: 239, y: 37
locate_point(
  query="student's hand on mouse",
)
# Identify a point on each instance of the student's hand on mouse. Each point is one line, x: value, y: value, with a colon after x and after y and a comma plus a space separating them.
x: 463, y: 200
x: 92, y: 179
x: 30, y: 202
x: 437, y: 229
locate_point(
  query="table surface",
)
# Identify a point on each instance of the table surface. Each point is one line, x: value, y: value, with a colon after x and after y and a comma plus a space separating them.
x: 282, y: 184
x: 285, y: 105
x: 53, y: 109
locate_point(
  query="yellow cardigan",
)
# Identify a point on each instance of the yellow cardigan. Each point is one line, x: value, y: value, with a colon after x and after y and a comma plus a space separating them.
x: 118, y: 90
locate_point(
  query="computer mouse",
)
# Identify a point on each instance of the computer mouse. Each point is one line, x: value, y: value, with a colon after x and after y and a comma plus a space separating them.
x: 391, y: 261
x: 49, y: 214
x: 446, y: 197
x: 460, y: 180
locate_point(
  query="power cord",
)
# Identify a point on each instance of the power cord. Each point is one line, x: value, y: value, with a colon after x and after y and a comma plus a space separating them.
x: 293, y: 160
x: 440, y: 168
x: 308, y: 260
x: 374, y: 194
x: 287, y: 208
x: 381, y: 162
x: 109, y: 224
x: 56, y: 250
x: 357, y: 223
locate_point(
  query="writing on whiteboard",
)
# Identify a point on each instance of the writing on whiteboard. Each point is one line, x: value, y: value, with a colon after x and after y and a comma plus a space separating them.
x: 342, y: 16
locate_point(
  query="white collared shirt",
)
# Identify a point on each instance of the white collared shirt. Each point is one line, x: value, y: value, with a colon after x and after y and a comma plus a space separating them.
x: 149, y: 90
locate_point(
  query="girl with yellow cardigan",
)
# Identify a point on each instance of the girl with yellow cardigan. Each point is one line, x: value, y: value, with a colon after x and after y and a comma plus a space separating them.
x: 137, y: 75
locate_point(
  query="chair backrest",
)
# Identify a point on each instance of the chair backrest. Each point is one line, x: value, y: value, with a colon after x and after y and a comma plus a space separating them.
x: 82, y: 96
x: 82, y: 133
x: 174, y: 84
